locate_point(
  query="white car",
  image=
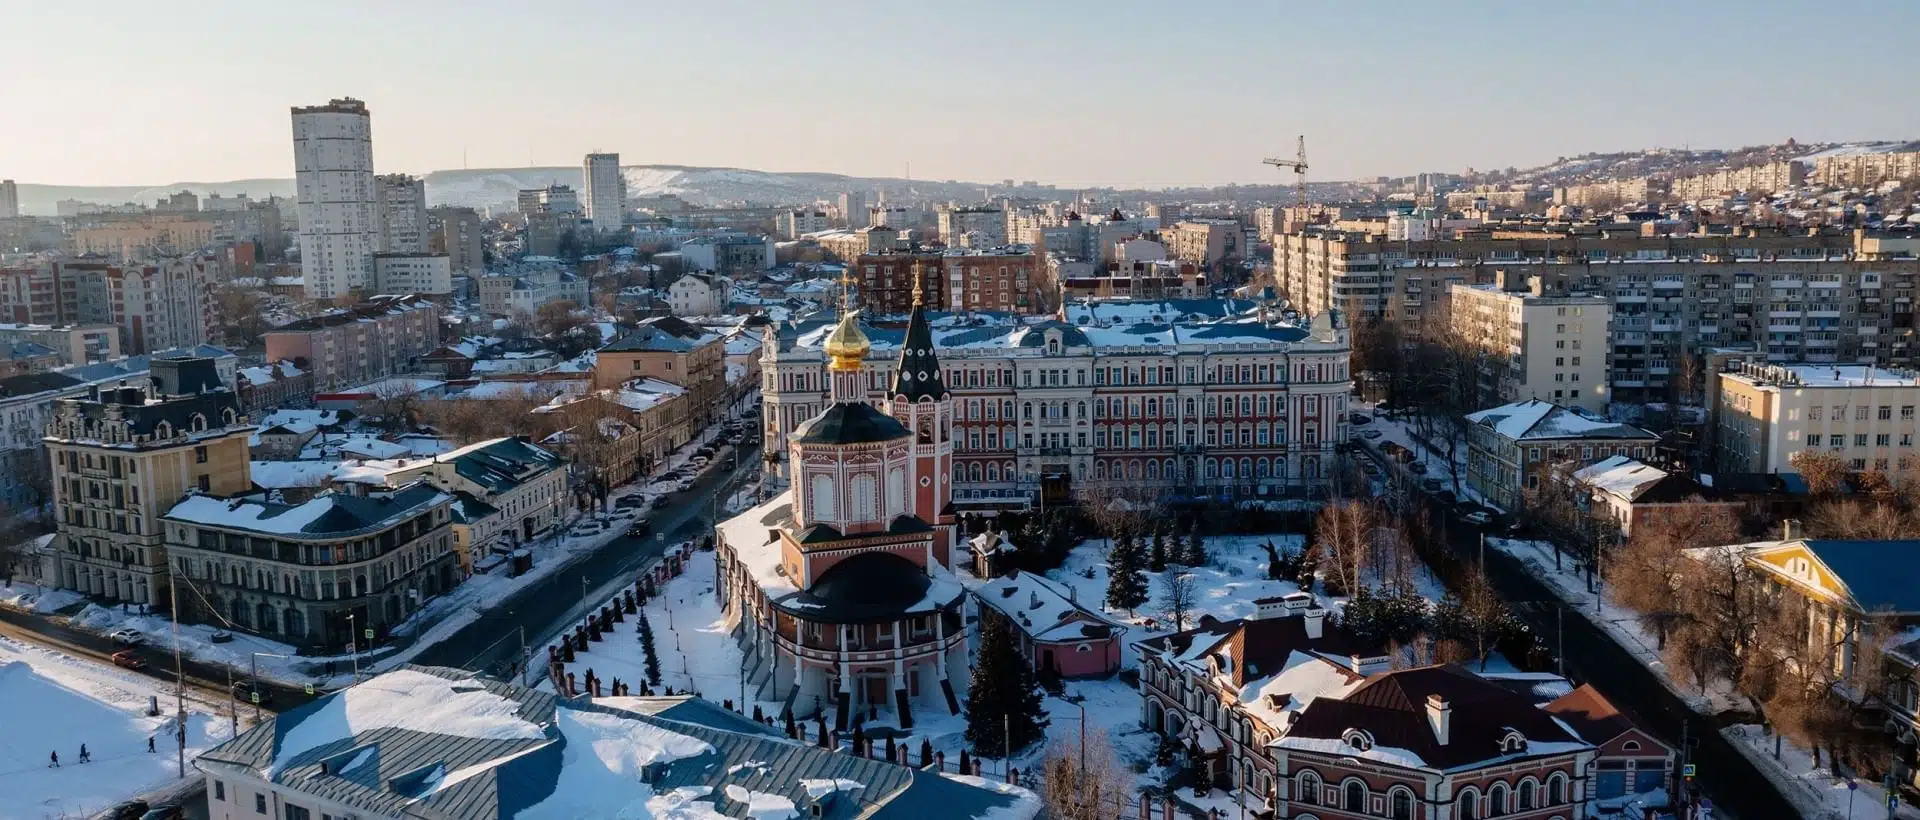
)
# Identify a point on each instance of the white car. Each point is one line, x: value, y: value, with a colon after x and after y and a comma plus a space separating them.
x: 1479, y: 517
x: 1370, y: 435
x: 127, y: 637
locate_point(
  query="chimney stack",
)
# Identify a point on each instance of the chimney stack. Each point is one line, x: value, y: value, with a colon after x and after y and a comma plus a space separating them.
x: 1315, y: 620
x: 1790, y: 530
x: 1439, y: 717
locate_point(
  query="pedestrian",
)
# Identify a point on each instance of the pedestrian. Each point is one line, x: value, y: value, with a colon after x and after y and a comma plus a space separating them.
x: 84, y: 757
x: 149, y: 744
x: 56, y: 760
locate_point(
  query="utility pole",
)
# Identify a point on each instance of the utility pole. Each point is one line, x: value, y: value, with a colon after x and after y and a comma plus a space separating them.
x: 179, y: 677
x: 353, y: 646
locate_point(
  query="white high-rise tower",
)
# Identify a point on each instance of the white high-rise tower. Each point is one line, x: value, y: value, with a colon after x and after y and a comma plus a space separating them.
x: 9, y: 199
x: 339, y: 209
x: 606, y: 191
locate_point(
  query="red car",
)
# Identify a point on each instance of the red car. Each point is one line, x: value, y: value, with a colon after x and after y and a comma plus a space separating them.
x: 125, y: 658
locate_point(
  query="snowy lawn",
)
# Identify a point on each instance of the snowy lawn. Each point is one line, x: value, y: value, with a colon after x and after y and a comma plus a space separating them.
x: 51, y: 702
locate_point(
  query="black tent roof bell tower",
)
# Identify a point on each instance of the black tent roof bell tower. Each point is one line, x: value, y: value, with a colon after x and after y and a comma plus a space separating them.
x: 919, y: 374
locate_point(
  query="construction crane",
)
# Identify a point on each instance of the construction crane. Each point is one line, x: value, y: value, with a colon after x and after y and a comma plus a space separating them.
x: 1299, y: 167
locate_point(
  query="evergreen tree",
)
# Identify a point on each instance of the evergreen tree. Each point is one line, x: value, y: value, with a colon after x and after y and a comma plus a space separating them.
x: 1308, y: 569
x: 1365, y: 618
x: 646, y: 647
x: 1158, y: 561
x: 793, y: 731
x: 1126, y: 580
x: 1196, y: 553
x: 1003, y: 701
x: 966, y: 765
x: 893, y: 752
x: 926, y: 752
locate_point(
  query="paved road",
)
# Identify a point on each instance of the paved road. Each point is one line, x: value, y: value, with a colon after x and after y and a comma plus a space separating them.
x: 207, y: 681
x: 1736, y: 788
x: 555, y: 603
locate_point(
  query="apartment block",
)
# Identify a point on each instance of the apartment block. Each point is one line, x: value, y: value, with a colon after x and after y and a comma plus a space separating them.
x: 459, y: 235
x: 403, y: 213
x: 730, y: 255
x: 1535, y: 343
x: 1766, y: 414
x: 9, y: 199
x: 159, y: 305
x: 143, y: 237
x: 792, y: 223
x: 121, y: 460
x: 1820, y: 295
x: 1203, y: 242
x: 403, y: 273
x: 339, y: 204
x: 972, y: 226
x: 380, y: 337
x: 1865, y: 169
x: 73, y: 344
x: 1765, y: 178
x: 606, y: 191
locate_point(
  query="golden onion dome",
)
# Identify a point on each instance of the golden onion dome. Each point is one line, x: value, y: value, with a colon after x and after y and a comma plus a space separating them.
x: 847, y: 347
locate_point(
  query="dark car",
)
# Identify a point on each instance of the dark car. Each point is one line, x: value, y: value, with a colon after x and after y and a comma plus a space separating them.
x: 130, y: 810
x: 244, y: 691
x: 639, y: 529
x: 1359, y: 418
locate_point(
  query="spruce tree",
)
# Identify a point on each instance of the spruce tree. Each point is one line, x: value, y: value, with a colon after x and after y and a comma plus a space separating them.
x: 1126, y: 580
x: 926, y: 752
x: 1158, y: 558
x: 646, y: 646
x: 1003, y: 701
x: 1196, y: 554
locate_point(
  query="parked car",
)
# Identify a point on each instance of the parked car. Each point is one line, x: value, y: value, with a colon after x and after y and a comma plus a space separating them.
x: 222, y: 636
x: 686, y: 486
x: 130, y: 810
x: 1444, y: 496
x: 1417, y: 468
x: 639, y: 529
x: 1479, y: 517
x: 126, y: 660
x: 1371, y: 435
x: 127, y: 637
x: 1430, y: 484
x: 699, y: 461
x: 1359, y: 418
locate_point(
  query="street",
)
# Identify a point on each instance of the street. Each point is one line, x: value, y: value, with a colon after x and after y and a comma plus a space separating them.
x: 1734, y: 786
x: 540, y: 612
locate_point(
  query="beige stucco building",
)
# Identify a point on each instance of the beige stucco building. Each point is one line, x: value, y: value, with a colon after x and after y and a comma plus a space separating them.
x: 1767, y: 413
x: 1536, y: 343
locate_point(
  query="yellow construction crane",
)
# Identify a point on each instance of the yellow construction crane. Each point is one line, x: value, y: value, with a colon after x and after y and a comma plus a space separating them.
x: 1299, y: 167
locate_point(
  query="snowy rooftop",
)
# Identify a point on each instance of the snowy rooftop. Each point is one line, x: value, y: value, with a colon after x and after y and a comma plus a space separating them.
x: 1620, y: 476
x: 1787, y: 377
x: 1534, y: 419
x: 325, y: 516
x: 426, y: 741
x: 1043, y: 609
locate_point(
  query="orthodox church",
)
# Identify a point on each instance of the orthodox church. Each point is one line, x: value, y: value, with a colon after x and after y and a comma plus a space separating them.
x: 840, y: 590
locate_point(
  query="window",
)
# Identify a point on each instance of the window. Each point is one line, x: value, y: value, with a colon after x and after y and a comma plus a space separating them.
x: 1524, y: 796
x: 260, y: 804
x: 1308, y: 792
x: 1400, y: 805
x: 298, y: 813
x: 1354, y: 796
x: 1557, y: 786
x: 1469, y: 805
x: 219, y: 790
x: 1497, y: 799
x: 200, y: 456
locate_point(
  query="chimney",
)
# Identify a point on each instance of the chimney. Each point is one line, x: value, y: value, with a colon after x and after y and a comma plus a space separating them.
x: 1315, y: 619
x: 1790, y: 530
x: 1439, y: 717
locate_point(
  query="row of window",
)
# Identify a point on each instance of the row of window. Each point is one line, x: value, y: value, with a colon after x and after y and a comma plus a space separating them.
x: 1353, y: 795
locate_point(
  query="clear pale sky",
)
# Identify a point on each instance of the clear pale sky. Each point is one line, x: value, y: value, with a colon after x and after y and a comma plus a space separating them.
x: 111, y: 92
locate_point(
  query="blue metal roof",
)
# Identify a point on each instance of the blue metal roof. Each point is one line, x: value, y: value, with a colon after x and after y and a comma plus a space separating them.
x: 1881, y: 575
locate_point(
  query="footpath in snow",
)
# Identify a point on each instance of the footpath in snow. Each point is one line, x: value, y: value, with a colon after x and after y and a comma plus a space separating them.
x: 52, y: 702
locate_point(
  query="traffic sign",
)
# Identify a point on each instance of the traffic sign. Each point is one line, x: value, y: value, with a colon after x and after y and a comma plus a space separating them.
x: 369, y: 634
x: 1689, y: 770
x: 255, y: 697
x: 309, y: 688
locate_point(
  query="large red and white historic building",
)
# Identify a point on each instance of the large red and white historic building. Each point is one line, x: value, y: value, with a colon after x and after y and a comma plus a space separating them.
x: 841, y: 588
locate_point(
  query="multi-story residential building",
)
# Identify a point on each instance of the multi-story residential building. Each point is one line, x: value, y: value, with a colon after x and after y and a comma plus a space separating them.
x: 19, y: 357
x: 731, y: 255
x: 792, y: 223
x: 1823, y: 296
x: 534, y: 282
x: 898, y: 217
x: 1867, y: 167
x: 460, y: 238
x: 1765, y: 414
x: 1535, y: 343
x: 672, y: 351
x: 526, y: 485
x: 700, y: 294
x: 853, y: 209
x: 374, y: 339
x: 885, y: 280
x: 402, y: 201
x: 404, y: 273
x: 1610, y: 193
x: 558, y: 199
x: 1009, y: 278
x: 657, y: 413
x: 73, y: 344
x: 1765, y: 178
x: 606, y: 191
x: 1164, y: 279
x: 979, y: 226
x: 1144, y: 409
x: 264, y: 388
x: 9, y: 199
x: 314, y: 574
x: 1203, y: 242
x: 339, y: 203
x: 122, y: 460
x: 144, y: 236
x: 1511, y: 449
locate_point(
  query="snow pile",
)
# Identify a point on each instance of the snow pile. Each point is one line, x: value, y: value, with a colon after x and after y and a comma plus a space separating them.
x: 1025, y: 805
x: 406, y: 699
x: 683, y: 803
x: 817, y: 789
x: 762, y: 805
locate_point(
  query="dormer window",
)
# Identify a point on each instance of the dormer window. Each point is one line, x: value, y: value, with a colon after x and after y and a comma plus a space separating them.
x: 163, y: 430
x: 1513, y: 743
x: 1358, y: 739
x: 198, y: 422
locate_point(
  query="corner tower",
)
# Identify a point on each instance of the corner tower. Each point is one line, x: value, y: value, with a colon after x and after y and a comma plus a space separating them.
x: 919, y: 399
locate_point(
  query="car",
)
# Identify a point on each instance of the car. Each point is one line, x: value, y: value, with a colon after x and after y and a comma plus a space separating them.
x: 704, y: 451
x: 244, y: 691
x: 639, y: 529
x: 686, y: 486
x: 130, y: 810
x: 125, y: 659
x: 127, y: 637
x: 1371, y: 435
x: 164, y: 811
x: 1479, y: 517
x: 699, y: 461
x: 1370, y: 468
x: 222, y: 636
x: 1359, y: 418
x: 735, y: 440
x: 1417, y: 468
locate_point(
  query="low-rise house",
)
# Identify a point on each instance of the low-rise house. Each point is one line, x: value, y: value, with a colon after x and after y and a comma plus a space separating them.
x: 1628, y: 762
x: 1056, y: 632
x: 526, y: 484
x: 700, y: 294
x: 274, y: 385
x: 1634, y: 494
x: 312, y: 574
x: 20, y: 357
x: 444, y: 743
x: 1514, y: 447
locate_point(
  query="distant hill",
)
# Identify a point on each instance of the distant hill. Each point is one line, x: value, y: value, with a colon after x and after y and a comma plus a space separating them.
x: 494, y: 186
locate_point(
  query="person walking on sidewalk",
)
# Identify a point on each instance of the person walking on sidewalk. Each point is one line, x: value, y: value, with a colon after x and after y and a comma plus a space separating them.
x: 84, y: 756
x: 56, y: 760
x: 149, y: 744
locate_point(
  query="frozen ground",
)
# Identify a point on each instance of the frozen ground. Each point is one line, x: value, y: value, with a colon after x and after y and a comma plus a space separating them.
x: 1814, y: 790
x: 51, y: 702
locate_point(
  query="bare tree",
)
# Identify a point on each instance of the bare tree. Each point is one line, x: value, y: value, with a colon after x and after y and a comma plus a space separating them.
x: 1176, y: 596
x: 558, y: 317
x: 395, y: 406
x: 1824, y: 472
x: 1344, y: 532
x: 1085, y: 780
x: 1644, y: 574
